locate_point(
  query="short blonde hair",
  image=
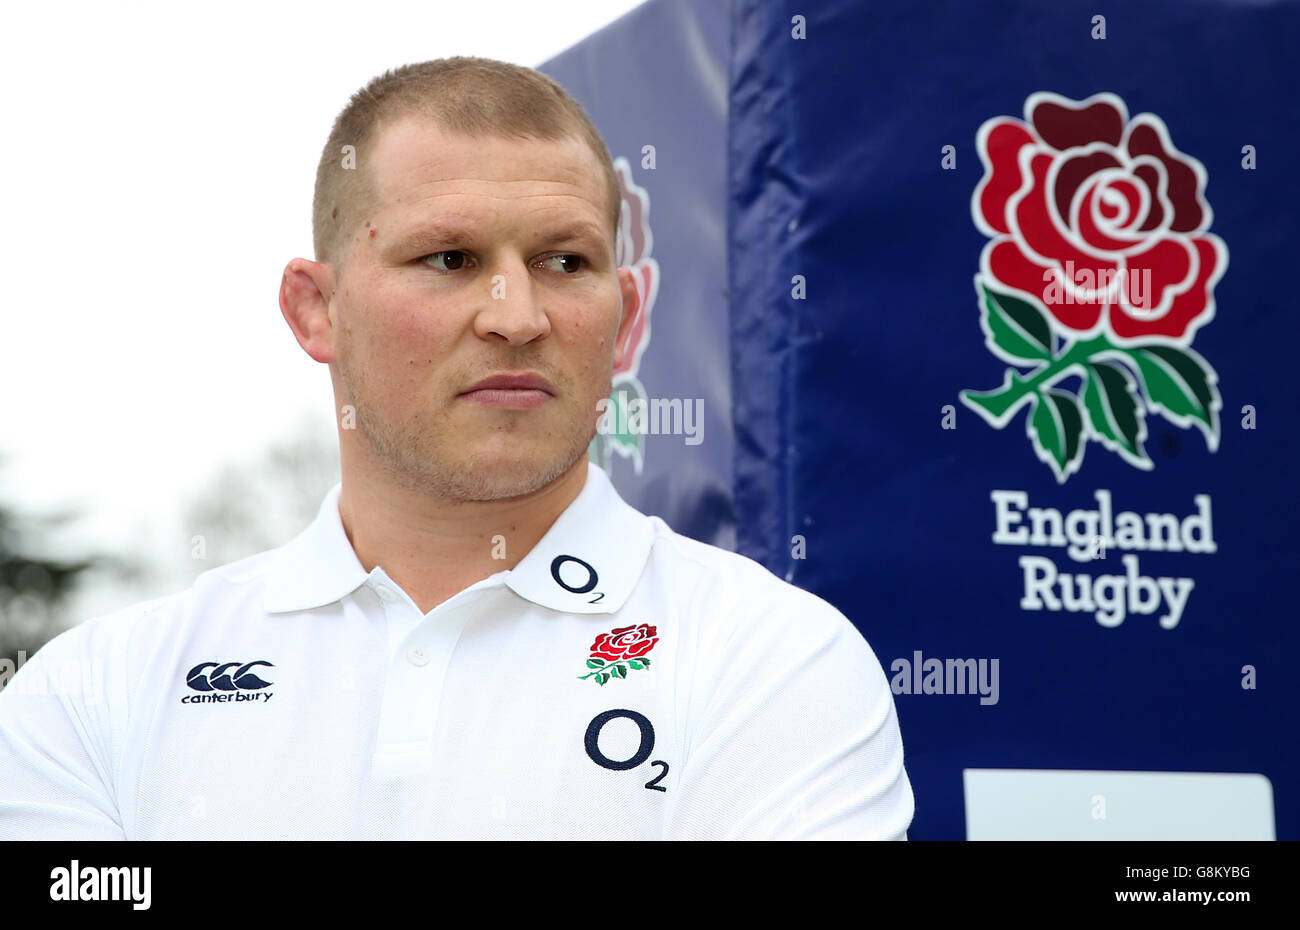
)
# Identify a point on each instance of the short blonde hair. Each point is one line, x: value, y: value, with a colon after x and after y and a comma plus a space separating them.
x: 472, y: 96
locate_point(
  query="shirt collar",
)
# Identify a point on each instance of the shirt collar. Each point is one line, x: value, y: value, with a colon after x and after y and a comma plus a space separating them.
x: 587, y: 563
x: 317, y: 567
x: 592, y: 556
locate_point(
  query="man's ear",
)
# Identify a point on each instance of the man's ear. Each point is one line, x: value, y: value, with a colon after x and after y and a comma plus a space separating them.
x: 630, y: 323
x: 306, y: 290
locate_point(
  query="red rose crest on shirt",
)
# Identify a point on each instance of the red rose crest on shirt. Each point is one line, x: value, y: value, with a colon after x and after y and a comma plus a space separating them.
x: 1100, y: 265
x: 613, y: 653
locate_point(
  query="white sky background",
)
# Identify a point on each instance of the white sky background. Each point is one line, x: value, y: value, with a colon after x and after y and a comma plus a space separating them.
x: 156, y: 174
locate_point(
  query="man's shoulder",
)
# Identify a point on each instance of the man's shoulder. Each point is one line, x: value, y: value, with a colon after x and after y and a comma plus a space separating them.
x: 752, y: 632
x: 224, y: 587
x: 718, y: 578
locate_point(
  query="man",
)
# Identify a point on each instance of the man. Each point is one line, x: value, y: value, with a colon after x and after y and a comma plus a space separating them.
x: 476, y: 638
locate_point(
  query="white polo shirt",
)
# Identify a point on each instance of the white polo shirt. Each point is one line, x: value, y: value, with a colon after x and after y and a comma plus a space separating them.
x: 621, y: 682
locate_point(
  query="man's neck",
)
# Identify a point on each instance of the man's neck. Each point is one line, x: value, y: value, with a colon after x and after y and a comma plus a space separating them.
x: 434, y: 548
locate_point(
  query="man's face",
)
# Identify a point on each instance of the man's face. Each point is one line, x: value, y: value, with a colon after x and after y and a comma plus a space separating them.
x: 483, y: 257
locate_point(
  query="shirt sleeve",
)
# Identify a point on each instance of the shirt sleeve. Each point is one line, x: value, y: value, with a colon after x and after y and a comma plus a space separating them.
x: 55, y: 774
x: 800, y: 737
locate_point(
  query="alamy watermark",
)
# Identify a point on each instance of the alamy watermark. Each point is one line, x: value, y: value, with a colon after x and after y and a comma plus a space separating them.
x: 68, y: 677
x: 77, y: 882
x: 654, y: 416
x: 1092, y: 286
x: 945, y: 676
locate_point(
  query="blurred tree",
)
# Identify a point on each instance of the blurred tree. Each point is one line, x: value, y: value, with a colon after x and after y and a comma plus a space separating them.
x: 32, y: 587
x: 246, y: 508
x: 254, y: 507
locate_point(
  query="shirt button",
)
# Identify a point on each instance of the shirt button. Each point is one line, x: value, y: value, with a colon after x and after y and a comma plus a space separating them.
x: 417, y: 656
x: 386, y: 594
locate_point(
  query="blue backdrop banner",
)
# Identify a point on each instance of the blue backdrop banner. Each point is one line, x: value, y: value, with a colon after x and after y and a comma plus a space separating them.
x: 990, y: 308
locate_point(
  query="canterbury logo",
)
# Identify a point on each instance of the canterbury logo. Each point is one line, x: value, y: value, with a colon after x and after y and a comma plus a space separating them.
x: 221, y: 679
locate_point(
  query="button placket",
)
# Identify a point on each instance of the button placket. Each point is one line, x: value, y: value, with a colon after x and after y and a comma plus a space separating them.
x: 400, y: 615
x: 421, y: 652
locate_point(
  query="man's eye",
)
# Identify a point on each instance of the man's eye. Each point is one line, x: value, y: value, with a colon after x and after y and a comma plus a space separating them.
x: 573, y: 263
x: 452, y: 260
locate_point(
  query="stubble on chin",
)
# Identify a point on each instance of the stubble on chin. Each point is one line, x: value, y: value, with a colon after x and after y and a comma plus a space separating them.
x: 433, y: 460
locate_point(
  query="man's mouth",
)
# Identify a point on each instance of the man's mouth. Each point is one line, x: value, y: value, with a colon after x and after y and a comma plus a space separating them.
x: 525, y: 390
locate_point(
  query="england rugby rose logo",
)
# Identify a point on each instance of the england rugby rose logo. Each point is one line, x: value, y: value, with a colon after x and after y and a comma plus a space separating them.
x: 613, y: 653
x: 1100, y: 267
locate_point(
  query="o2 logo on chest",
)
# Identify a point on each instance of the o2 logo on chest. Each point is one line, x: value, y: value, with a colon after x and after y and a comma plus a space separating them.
x: 643, y: 750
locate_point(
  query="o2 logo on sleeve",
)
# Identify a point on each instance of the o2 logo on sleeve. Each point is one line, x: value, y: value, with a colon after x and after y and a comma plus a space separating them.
x: 643, y: 750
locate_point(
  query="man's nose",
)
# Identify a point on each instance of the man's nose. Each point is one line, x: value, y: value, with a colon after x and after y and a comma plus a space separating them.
x: 512, y: 310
